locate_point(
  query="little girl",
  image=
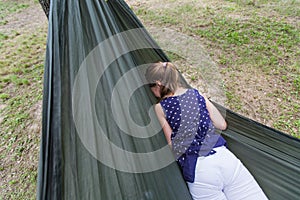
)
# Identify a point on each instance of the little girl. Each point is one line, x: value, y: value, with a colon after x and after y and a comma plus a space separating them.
x: 190, y: 123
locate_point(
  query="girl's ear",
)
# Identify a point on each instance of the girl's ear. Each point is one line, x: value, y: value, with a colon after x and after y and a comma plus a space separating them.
x: 158, y: 83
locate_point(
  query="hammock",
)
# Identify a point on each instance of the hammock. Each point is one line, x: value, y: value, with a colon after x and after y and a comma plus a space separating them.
x: 100, y: 139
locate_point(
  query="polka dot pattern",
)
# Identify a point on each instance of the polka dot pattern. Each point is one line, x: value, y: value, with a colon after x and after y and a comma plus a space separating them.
x: 189, y: 119
x: 192, y: 128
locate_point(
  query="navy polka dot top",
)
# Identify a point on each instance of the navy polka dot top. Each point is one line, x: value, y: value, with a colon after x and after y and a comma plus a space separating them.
x: 193, y: 133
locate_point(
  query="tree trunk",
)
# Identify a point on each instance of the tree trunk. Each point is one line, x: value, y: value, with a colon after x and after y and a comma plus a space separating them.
x: 46, y: 6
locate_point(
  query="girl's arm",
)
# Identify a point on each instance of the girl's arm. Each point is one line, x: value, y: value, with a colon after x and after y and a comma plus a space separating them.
x: 216, y: 117
x: 163, y: 122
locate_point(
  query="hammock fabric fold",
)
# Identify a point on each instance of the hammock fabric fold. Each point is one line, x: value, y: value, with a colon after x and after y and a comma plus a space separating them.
x: 271, y: 156
x: 100, y: 139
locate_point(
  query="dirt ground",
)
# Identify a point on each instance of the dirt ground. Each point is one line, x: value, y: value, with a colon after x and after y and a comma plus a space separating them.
x: 261, y: 98
x: 27, y: 21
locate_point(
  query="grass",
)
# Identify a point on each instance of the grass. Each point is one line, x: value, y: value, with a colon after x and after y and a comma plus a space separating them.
x: 255, y: 44
x: 8, y: 7
x: 21, y: 72
x: 21, y: 89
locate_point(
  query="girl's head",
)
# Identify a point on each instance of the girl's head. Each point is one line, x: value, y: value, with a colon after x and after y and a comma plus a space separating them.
x: 162, y: 78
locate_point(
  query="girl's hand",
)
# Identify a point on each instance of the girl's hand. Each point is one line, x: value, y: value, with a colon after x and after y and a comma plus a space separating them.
x: 163, y: 122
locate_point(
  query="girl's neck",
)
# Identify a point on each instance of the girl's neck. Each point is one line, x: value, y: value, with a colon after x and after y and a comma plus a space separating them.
x: 179, y: 91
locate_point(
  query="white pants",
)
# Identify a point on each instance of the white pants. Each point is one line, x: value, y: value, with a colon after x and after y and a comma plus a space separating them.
x: 222, y: 176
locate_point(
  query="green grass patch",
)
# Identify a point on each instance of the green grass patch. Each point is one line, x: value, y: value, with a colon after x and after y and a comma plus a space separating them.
x: 10, y: 7
x: 244, y: 36
x: 21, y: 75
x: 285, y: 8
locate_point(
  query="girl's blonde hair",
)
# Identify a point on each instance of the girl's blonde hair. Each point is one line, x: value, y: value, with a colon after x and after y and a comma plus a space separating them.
x: 166, y: 73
